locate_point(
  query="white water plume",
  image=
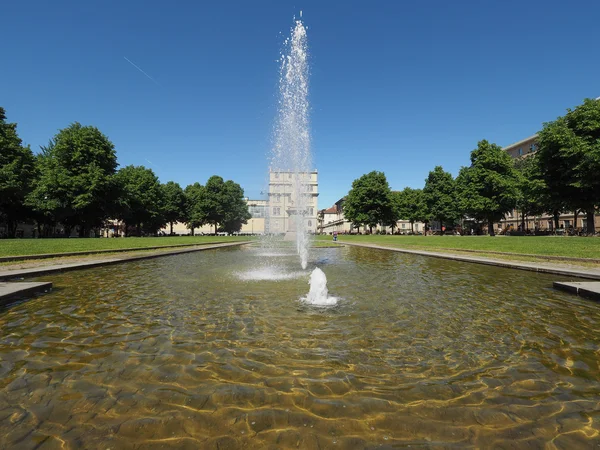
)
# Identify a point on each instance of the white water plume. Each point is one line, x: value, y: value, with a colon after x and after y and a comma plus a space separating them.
x: 291, y: 141
x: 318, y: 295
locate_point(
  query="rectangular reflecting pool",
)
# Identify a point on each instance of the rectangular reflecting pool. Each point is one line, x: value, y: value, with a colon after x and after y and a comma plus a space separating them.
x: 217, y: 349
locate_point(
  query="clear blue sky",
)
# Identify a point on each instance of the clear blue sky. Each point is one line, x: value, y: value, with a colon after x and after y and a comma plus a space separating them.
x: 397, y: 86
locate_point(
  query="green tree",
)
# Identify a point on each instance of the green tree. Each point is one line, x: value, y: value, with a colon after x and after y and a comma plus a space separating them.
x: 533, y: 196
x: 369, y: 201
x: 76, y: 184
x: 569, y: 157
x: 236, y: 211
x: 194, y: 213
x: 410, y: 205
x: 173, y: 203
x: 17, y: 171
x: 487, y: 190
x: 141, y: 203
x: 439, y: 195
x: 223, y: 204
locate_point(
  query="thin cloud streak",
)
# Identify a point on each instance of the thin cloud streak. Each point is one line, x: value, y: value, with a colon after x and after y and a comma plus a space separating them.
x: 141, y: 71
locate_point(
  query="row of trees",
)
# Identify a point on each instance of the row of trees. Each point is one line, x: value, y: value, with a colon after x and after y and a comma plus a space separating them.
x: 74, y: 181
x: 562, y: 176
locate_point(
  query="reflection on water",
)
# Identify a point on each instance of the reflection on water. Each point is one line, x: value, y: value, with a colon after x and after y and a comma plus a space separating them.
x: 177, y: 352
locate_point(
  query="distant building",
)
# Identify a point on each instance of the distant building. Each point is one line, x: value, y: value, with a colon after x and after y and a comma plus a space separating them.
x: 285, y: 202
x: 544, y: 222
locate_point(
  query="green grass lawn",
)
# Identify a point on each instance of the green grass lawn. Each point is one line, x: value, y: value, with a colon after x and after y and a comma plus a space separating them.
x: 20, y: 247
x: 577, y: 247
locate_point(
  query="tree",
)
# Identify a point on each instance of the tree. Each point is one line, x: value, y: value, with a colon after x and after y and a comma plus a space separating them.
x: 194, y: 214
x: 236, y: 210
x: 488, y: 188
x: 173, y: 203
x: 368, y: 203
x: 569, y: 157
x: 533, y: 196
x: 17, y: 171
x: 76, y: 184
x: 141, y: 199
x: 439, y: 195
x: 223, y: 204
x: 411, y: 206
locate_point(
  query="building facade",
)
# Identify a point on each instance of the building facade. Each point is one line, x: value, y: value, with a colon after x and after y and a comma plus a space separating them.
x: 291, y: 195
x: 545, y: 222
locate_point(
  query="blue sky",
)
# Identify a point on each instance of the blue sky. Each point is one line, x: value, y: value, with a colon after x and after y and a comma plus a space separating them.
x: 396, y: 86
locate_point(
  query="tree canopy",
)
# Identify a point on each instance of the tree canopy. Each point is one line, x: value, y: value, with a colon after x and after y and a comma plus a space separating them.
x: 439, y: 195
x: 17, y: 171
x: 174, y: 203
x: 369, y: 201
x: 569, y: 158
x: 141, y: 200
x: 487, y: 190
x: 75, y: 182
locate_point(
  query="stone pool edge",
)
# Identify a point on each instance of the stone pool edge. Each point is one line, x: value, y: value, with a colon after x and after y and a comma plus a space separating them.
x: 532, y: 267
x: 7, y: 275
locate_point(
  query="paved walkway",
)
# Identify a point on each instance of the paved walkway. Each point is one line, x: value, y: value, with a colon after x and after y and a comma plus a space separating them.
x: 544, y: 267
x: 50, y: 266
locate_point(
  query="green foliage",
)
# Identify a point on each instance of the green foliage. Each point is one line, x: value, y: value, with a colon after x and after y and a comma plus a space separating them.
x: 220, y: 203
x: 369, y: 201
x: 410, y: 205
x: 174, y: 203
x: 487, y: 190
x: 533, y: 196
x: 141, y: 201
x: 17, y: 171
x: 439, y: 196
x: 194, y: 214
x: 569, y: 158
x: 75, y: 184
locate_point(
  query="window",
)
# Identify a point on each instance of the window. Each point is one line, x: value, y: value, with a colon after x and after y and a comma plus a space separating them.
x: 290, y: 175
x: 276, y: 210
x: 310, y: 223
x: 276, y: 174
x: 520, y: 151
x: 403, y: 225
x: 278, y: 198
x: 532, y: 148
x: 311, y: 211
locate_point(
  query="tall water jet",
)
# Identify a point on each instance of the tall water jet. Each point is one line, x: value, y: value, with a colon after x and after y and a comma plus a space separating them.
x: 291, y: 143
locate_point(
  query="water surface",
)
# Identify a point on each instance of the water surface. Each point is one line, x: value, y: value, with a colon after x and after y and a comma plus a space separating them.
x: 190, y: 351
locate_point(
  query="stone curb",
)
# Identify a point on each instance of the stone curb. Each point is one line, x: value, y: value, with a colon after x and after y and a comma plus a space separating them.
x: 578, y: 273
x: 97, y: 252
x: 587, y: 289
x: 37, y: 271
x: 14, y: 291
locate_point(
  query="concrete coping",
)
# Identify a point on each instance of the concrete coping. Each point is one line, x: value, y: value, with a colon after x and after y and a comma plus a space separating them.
x: 14, y: 291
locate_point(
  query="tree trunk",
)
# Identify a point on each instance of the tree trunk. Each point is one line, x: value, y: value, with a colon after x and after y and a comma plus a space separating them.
x: 575, y: 214
x: 370, y: 229
x: 412, y: 227
x: 392, y: 229
x: 138, y: 229
x: 192, y: 229
x: 523, y: 221
x: 491, y: 227
x: 215, y: 228
x: 11, y: 228
x: 81, y: 231
x: 171, y: 228
x: 590, y: 225
x: 39, y: 228
x: 556, y: 215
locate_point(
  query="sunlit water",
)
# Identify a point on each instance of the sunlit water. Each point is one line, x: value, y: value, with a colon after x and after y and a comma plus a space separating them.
x: 177, y: 352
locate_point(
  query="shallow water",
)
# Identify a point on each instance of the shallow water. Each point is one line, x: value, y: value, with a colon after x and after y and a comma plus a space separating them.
x: 178, y: 352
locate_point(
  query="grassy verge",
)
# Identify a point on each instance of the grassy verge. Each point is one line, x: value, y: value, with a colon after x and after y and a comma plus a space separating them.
x: 24, y: 247
x: 572, y: 247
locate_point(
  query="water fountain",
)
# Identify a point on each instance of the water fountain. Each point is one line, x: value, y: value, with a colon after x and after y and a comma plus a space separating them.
x: 291, y: 141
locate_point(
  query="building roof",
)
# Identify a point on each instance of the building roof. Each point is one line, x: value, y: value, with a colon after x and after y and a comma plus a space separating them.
x: 332, y: 210
x: 521, y: 142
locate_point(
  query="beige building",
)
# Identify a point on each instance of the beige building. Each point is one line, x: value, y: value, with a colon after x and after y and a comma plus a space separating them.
x: 332, y: 220
x: 292, y: 194
x: 544, y: 222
